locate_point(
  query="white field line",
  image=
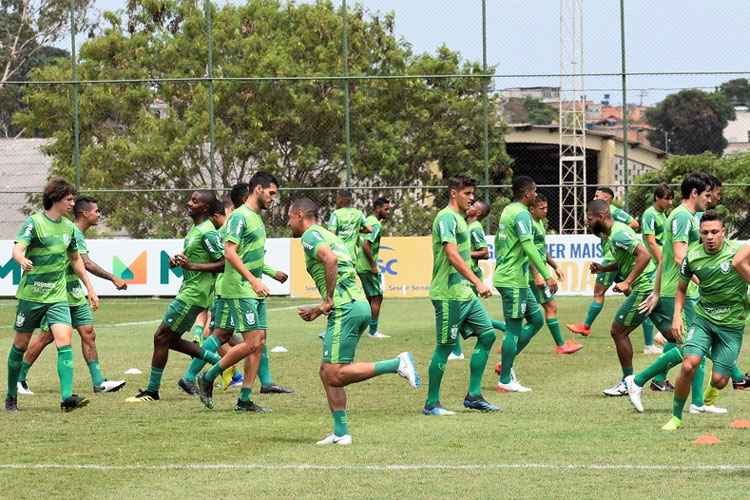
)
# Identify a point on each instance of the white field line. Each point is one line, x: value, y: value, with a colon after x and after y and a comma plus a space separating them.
x: 385, y: 467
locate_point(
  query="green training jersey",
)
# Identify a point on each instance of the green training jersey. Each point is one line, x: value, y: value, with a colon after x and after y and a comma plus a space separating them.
x: 202, y: 245
x: 722, y: 291
x: 348, y: 288
x: 511, y: 262
x: 653, y: 223
x: 681, y: 227
x: 363, y: 265
x: 346, y: 224
x: 76, y: 291
x: 539, y: 232
x: 620, y: 215
x: 447, y: 283
x: 244, y: 228
x: 478, y: 242
x: 624, y: 242
x: 47, y: 243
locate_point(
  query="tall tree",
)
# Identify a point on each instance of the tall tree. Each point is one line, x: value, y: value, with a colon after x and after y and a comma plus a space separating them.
x: 737, y: 91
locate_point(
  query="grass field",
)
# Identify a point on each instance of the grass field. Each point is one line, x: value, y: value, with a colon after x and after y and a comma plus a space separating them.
x: 562, y: 440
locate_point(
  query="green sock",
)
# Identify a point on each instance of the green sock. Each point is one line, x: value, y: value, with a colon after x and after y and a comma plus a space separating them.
x: 648, y: 332
x: 662, y: 376
x: 479, y: 362
x: 528, y: 332
x: 213, y: 372
x: 264, y: 370
x: 626, y: 372
x: 737, y: 374
x: 340, y: 427
x: 245, y: 394
x: 25, y: 367
x: 373, y: 326
x: 387, y: 366
x: 65, y: 371
x: 697, y: 387
x: 499, y: 325
x: 154, y: 379
x: 210, y: 346
x: 198, y: 333
x: 209, y: 357
x: 678, y: 405
x: 457, y: 346
x: 15, y: 358
x: 664, y: 362
x: 594, y: 309
x: 554, y: 328
x: 510, y: 345
x: 97, y: 377
x: 435, y: 373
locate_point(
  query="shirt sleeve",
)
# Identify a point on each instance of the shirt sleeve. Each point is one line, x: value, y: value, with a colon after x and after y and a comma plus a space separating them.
x: 235, y: 227
x: 624, y: 242
x: 269, y: 271
x: 649, y: 223
x: 522, y: 225
x: 621, y: 215
x: 333, y: 223
x: 686, y: 274
x: 478, y: 241
x: 374, y: 234
x: 681, y: 228
x: 74, y: 239
x: 447, y: 228
x: 311, y: 242
x: 213, y: 245
x: 26, y: 233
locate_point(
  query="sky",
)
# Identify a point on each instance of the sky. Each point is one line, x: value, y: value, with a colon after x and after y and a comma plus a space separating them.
x: 523, y: 38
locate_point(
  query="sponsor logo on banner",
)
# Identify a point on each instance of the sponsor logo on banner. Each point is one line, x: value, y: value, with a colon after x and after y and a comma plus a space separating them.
x: 11, y: 267
x: 136, y: 273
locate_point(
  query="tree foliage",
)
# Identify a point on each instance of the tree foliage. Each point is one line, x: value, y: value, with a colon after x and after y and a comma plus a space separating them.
x: 737, y: 91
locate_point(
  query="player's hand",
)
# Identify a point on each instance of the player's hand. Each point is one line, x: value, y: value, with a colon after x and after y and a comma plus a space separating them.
x: 595, y: 268
x: 326, y: 307
x: 623, y: 288
x: 93, y: 301
x: 309, y: 313
x: 677, y: 328
x: 281, y: 276
x: 560, y: 274
x: 552, y: 285
x: 26, y: 264
x: 181, y: 260
x: 120, y: 284
x: 648, y: 305
x: 260, y: 288
x: 173, y: 261
x: 483, y: 290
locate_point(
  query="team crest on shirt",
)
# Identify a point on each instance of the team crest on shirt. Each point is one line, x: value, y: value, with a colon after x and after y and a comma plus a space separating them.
x: 66, y: 238
x: 250, y: 317
x: 454, y: 332
x: 724, y: 267
x: 20, y: 320
x: 77, y: 293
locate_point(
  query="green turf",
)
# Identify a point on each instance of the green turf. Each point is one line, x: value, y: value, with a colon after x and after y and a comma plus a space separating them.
x: 565, y: 421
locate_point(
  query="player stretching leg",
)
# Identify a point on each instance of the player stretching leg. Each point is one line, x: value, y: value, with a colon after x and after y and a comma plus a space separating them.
x: 367, y: 262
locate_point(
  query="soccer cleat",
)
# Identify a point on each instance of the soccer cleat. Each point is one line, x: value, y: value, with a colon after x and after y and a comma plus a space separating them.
x: 569, y: 347
x: 616, y: 390
x: 408, y: 370
x: 344, y: 440
x: 512, y: 386
x: 143, y: 397
x: 206, y: 392
x: 579, y: 328
x: 275, y: 389
x: 479, y: 403
x: 250, y: 407
x: 652, y: 349
x: 110, y: 386
x: 378, y: 335
x: 23, y: 388
x: 634, y: 393
x: 709, y: 409
x: 188, y: 387
x: 737, y: 385
x: 456, y: 357
x: 665, y: 386
x: 11, y: 404
x: 237, y: 380
x: 437, y: 411
x: 673, y: 424
x: 73, y: 403
x: 226, y: 378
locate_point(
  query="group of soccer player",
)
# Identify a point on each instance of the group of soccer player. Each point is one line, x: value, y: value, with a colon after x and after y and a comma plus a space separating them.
x: 681, y: 276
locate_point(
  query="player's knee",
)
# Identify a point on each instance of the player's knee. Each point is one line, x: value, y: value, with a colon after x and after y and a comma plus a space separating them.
x: 719, y: 381
x: 690, y: 364
x: 88, y: 335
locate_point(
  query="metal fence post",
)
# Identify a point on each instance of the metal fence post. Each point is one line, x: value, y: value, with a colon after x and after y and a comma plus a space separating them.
x: 347, y: 106
x: 75, y: 97
x: 211, y: 118
x: 485, y: 113
x: 625, y: 118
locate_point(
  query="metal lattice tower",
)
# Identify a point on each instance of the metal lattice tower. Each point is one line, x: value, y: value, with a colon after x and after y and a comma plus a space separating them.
x: 572, y: 119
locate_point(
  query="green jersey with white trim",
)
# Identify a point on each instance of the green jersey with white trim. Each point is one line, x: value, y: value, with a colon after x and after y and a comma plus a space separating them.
x: 447, y: 283
x: 244, y: 228
x: 624, y: 242
x: 363, y: 265
x: 681, y: 227
x: 478, y: 242
x: 511, y: 262
x: 346, y: 224
x: 202, y: 245
x: 348, y: 288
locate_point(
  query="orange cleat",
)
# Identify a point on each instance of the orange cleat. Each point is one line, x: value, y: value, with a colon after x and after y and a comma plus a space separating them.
x: 579, y: 328
x: 569, y: 347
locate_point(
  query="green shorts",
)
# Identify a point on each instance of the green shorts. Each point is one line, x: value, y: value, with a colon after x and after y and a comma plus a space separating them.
x: 181, y: 316
x: 628, y: 314
x: 466, y: 318
x: 371, y: 283
x: 721, y: 343
x: 345, y: 325
x: 606, y: 279
x: 664, y: 313
x: 30, y: 315
x: 81, y: 315
x: 240, y: 315
x: 542, y: 294
x: 518, y: 303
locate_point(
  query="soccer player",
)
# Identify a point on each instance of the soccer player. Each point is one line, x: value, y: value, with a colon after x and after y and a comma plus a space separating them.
x: 680, y: 231
x: 331, y: 267
x: 605, y: 280
x: 536, y: 283
x: 514, y: 251
x: 347, y: 222
x: 240, y: 304
x: 367, y: 262
x: 202, y: 248
x: 458, y: 311
x: 653, y: 221
x: 86, y: 213
x: 720, y: 313
x: 45, y: 246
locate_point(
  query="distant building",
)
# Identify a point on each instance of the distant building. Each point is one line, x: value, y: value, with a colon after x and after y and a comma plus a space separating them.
x: 737, y: 132
x: 545, y: 94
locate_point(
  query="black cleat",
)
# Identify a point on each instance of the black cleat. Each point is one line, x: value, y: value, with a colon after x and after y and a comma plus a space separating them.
x: 249, y: 406
x: 206, y: 392
x: 742, y: 384
x: 188, y: 387
x: 479, y: 403
x: 665, y: 386
x: 143, y: 397
x: 11, y: 404
x: 275, y: 389
x: 73, y: 403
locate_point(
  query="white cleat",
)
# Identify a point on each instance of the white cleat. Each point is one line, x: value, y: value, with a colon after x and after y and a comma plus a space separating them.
x: 616, y: 391
x: 23, y: 388
x: 455, y: 357
x: 408, y: 370
x: 652, y: 349
x: 513, y: 386
x: 344, y: 440
x: 110, y: 386
x: 378, y: 335
x: 710, y: 409
x: 634, y: 393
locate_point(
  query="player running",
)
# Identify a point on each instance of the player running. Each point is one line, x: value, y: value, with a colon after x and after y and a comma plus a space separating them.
x: 331, y: 267
x: 44, y: 249
x: 86, y: 213
x: 367, y: 262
